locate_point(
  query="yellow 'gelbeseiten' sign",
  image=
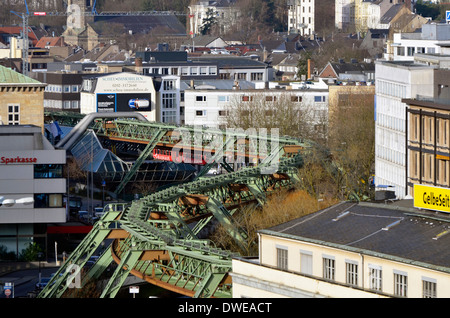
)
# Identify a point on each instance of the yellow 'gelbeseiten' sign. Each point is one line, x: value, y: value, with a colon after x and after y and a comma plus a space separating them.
x: 432, y: 198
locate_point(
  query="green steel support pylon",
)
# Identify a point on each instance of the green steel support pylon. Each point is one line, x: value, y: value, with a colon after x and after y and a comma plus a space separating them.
x: 209, y: 285
x: 78, y: 258
x: 224, y: 217
x: 143, y: 156
x: 127, y: 263
x: 100, y: 265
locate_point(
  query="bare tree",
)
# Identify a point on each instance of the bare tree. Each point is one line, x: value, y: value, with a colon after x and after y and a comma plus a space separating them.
x: 352, y: 139
x: 284, y: 111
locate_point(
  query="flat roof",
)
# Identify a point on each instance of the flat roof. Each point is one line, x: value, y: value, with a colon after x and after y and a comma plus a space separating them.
x: 388, y: 231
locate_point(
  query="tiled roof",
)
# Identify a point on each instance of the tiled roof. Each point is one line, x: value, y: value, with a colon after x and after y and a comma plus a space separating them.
x: 8, y: 76
x: 16, y: 30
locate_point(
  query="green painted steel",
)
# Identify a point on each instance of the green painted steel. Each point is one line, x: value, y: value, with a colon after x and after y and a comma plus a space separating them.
x: 128, y: 261
x: 143, y: 156
x: 162, y: 221
x: 81, y: 255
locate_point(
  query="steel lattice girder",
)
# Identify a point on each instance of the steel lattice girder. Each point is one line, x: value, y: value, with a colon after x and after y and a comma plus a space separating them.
x: 78, y: 258
x: 171, y: 234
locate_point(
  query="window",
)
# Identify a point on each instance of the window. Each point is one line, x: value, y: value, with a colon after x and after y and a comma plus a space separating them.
x: 375, y: 277
x: 224, y: 98
x: 428, y: 288
x: 74, y: 88
x: 168, y: 100
x: 400, y: 284
x: 75, y: 104
x: 296, y: 99
x: 401, y: 51
x: 48, y: 171
x: 213, y: 71
x: 200, y: 98
x: 168, y: 85
x: 328, y: 268
x: 306, y: 262
x: 13, y: 115
x: 282, y: 258
x: 351, y: 269
x: 319, y: 99
x: 256, y: 76
x: 46, y: 200
x: 200, y: 113
x: 169, y: 116
x: 223, y: 113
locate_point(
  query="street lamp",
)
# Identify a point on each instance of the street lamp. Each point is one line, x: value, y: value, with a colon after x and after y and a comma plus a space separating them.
x: 39, y: 255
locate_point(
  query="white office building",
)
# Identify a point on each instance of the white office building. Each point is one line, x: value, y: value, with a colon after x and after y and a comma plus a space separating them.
x: 301, y: 16
x: 433, y: 39
x: 210, y: 103
x: 396, y: 81
x: 29, y: 168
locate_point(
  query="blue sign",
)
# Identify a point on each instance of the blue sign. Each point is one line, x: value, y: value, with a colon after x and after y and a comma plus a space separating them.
x: 447, y: 16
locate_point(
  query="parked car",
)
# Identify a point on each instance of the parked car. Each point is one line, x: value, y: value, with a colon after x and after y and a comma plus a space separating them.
x: 98, y: 212
x: 44, y: 281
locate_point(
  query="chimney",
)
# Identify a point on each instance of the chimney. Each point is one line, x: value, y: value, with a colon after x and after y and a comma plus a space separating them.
x: 138, y: 64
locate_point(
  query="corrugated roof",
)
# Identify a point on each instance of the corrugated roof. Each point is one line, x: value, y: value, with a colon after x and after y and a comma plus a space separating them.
x: 366, y: 227
x: 8, y: 76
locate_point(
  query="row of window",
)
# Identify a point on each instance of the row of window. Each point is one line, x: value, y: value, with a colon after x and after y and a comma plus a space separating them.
x: 202, y: 113
x: 432, y: 170
x: 352, y: 275
x: 184, y: 70
x: 269, y: 98
x: 60, y: 104
x: 410, y: 50
x: 44, y: 171
x: 52, y: 88
x: 427, y: 128
x: 47, y: 200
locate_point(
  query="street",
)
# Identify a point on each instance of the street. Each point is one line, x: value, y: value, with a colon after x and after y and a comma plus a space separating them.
x: 24, y: 281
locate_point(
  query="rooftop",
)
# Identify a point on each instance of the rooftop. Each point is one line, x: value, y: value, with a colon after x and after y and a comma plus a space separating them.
x: 8, y: 76
x: 389, y: 231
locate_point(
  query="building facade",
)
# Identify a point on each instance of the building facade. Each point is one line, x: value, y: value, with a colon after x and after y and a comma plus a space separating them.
x: 30, y: 168
x: 394, y: 82
x: 428, y: 128
x: 119, y: 92
x: 21, y: 99
x: 62, y: 91
x: 301, y: 16
x: 221, y: 104
x: 349, y: 251
x: 225, y: 13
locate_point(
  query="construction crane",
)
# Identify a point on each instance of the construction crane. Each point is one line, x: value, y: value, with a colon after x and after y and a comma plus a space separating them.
x: 25, y: 44
x: 25, y: 15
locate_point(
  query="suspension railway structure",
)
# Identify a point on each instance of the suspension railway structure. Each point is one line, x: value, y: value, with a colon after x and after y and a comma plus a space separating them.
x: 162, y: 238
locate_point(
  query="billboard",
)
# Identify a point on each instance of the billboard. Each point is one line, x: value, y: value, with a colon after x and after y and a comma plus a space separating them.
x: 432, y: 198
x: 113, y: 102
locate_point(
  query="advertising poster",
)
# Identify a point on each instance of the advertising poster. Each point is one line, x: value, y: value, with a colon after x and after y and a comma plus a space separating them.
x: 124, y: 102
